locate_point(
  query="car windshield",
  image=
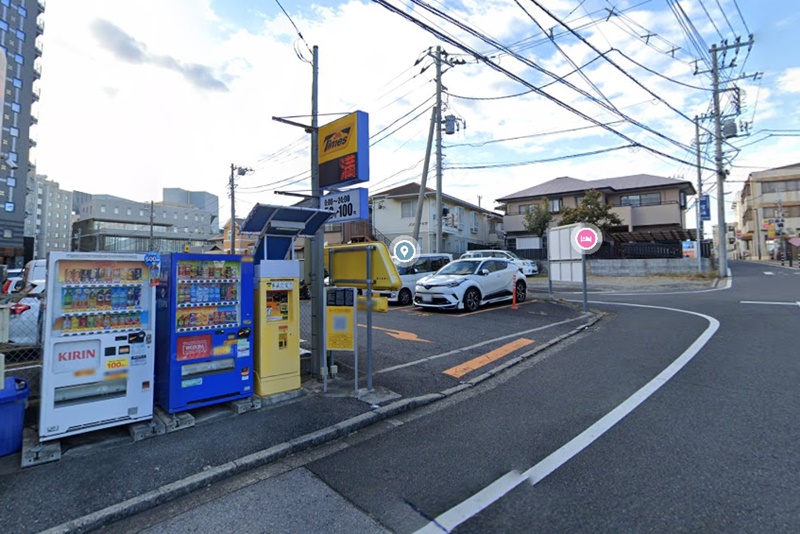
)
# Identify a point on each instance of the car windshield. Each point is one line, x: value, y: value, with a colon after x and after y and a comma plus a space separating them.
x: 513, y: 255
x: 460, y: 267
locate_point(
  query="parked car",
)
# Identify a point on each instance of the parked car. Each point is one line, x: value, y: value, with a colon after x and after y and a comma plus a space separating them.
x: 25, y: 315
x: 467, y: 284
x: 526, y: 267
x: 424, y: 265
x: 13, y: 282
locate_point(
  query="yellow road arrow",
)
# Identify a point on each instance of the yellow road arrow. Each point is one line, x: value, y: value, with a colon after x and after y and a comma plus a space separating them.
x: 399, y: 334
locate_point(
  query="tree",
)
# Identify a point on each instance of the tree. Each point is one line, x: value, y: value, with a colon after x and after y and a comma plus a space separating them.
x: 538, y: 217
x: 591, y: 210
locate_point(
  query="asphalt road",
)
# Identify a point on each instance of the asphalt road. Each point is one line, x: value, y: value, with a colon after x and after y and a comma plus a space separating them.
x: 690, y: 428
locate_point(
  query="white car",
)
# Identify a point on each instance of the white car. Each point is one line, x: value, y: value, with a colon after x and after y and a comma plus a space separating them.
x: 467, y: 284
x: 426, y: 264
x: 526, y: 267
x: 25, y: 315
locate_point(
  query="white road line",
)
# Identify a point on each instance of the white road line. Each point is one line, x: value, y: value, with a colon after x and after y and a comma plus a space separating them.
x: 481, y: 344
x: 773, y: 303
x: 769, y: 273
x: 500, y: 487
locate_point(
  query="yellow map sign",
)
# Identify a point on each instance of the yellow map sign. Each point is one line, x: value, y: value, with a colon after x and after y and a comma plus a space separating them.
x: 341, y: 328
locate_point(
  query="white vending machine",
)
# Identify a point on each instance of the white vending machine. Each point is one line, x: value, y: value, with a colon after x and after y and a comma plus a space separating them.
x: 98, y: 347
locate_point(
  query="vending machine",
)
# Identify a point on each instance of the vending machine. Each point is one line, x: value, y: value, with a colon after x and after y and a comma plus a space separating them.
x: 204, y: 347
x: 98, y: 349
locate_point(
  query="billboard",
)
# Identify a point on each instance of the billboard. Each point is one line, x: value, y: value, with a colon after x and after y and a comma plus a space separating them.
x: 344, y: 151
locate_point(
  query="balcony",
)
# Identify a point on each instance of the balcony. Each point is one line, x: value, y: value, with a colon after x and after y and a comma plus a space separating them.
x: 39, y: 26
x: 662, y: 214
x: 36, y: 94
x: 37, y: 48
x: 41, y: 5
x: 34, y: 119
x: 514, y: 223
x: 37, y: 71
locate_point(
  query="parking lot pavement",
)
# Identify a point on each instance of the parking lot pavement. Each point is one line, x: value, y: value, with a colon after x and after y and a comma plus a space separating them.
x: 418, y: 355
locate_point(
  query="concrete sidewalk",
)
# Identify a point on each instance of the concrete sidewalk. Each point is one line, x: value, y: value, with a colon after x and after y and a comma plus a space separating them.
x: 104, y: 475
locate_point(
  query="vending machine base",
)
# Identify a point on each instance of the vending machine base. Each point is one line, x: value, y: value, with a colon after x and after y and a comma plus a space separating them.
x: 270, y: 385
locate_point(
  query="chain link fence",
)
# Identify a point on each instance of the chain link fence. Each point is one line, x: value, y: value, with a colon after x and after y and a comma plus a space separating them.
x: 21, y: 320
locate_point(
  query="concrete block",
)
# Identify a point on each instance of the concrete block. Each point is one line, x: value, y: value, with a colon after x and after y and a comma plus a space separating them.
x: 35, y: 452
x: 147, y: 429
x: 174, y: 421
x: 241, y: 406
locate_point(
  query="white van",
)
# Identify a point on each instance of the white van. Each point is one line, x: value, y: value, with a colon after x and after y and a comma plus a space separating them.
x: 426, y: 264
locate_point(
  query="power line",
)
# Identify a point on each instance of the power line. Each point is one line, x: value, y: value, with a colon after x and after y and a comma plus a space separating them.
x: 545, y: 160
x: 517, y: 78
x: 295, y: 27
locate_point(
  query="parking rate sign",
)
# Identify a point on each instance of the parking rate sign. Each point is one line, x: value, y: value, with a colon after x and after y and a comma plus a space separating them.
x: 350, y: 205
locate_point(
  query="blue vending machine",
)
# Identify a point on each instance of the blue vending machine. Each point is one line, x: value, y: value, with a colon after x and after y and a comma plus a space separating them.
x: 204, y: 330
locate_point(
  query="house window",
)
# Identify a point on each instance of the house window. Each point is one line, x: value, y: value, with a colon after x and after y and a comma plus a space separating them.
x: 525, y: 208
x: 556, y: 205
x: 643, y: 199
x: 408, y: 209
x: 128, y: 211
x: 116, y: 210
x: 141, y: 213
x: 102, y: 209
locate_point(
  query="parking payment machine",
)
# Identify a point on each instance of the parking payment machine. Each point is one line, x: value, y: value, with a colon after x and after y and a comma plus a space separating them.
x: 277, y: 293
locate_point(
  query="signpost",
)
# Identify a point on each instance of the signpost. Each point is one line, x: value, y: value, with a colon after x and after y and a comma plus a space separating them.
x: 705, y: 208
x: 350, y: 205
x: 567, y: 248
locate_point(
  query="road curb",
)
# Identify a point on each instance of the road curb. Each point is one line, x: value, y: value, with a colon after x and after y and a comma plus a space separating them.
x: 179, y: 488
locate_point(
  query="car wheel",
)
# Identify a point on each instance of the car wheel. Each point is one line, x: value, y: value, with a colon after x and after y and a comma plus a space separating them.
x: 472, y: 299
x: 404, y: 297
x: 521, y: 291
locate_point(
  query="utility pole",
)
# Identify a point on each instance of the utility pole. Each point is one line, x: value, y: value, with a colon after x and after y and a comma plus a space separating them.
x: 240, y: 171
x: 438, y: 58
x: 722, y: 252
x: 424, y: 181
x: 699, y: 197
x: 318, y: 354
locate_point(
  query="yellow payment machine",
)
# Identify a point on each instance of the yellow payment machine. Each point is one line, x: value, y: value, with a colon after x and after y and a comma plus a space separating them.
x: 277, y: 320
x: 276, y: 355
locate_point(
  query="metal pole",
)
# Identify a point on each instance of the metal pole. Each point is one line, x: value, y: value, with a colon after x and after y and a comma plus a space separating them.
x: 438, y: 149
x: 699, y: 197
x: 424, y: 180
x: 583, y: 268
x: 233, y: 211
x: 369, y: 317
x: 721, y: 230
x: 318, y: 243
x: 549, y: 267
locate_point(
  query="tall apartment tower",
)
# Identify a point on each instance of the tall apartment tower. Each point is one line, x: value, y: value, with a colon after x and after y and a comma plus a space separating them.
x: 21, y: 29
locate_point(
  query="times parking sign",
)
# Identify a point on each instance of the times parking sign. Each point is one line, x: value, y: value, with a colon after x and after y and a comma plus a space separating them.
x: 350, y: 205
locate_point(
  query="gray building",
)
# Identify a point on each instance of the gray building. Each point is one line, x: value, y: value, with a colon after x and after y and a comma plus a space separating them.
x: 21, y: 27
x: 199, y: 199
x: 49, y: 219
x: 114, y: 224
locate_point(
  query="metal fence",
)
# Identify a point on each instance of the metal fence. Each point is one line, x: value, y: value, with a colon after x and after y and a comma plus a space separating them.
x: 21, y: 337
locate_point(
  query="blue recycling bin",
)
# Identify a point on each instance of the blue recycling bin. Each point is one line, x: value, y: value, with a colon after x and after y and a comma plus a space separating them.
x: 13, y: 399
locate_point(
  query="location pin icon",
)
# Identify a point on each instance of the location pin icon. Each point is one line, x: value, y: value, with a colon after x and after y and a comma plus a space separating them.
x: 404, y: 251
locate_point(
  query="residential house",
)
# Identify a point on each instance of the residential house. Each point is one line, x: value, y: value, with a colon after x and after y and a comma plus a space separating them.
x: 244, y: 241
x: 652, y: 208
x: 464, y: 225
x: 765, y: 195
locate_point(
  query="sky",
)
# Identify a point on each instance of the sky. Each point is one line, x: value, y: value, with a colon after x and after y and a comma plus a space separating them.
x: 139, y: 96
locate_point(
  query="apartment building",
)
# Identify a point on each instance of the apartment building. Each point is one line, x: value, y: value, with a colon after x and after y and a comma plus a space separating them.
x: 767, y: 198
x: 49, y: 216
x: 21, y: 29
x: 652, y: 208
x: 464, y: 225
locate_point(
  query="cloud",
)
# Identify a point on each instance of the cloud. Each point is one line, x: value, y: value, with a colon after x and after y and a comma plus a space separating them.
x: 790, y: 80
x: 126, y: 48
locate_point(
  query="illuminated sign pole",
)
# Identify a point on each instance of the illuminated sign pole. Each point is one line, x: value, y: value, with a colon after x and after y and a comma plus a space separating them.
x: 342, y: 152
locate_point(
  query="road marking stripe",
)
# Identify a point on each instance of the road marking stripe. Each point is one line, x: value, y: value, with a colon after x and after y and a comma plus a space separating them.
x: 485, y: 359
x: 769, y: 273
x: 765, y: 302
x: 476, y: 345
x: 500, y: 487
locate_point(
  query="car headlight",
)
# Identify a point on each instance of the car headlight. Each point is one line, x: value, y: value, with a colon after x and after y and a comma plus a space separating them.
x: 456, y: 283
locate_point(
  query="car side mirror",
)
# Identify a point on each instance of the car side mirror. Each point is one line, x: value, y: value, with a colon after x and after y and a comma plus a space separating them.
x: 484, y: 271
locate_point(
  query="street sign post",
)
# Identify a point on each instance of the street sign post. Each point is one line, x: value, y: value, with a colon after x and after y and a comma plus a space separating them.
x: 705, y: 208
